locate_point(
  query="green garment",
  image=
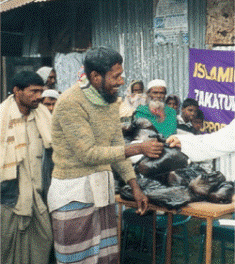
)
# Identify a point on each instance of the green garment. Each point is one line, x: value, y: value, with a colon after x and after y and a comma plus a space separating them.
x: 25, y: 240
x: 166, y: 128
x: 94, y: 96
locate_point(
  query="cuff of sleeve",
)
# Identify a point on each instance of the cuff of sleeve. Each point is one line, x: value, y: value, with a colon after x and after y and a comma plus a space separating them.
x: 119, y: 153
x: 128, y: 173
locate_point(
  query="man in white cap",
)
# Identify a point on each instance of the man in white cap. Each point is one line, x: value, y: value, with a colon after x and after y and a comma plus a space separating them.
x: 48, y: 75
x: 156, y: 111
x: 49, y: 98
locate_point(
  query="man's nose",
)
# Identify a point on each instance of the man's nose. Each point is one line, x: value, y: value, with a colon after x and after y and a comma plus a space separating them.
x: 38, y: 95
x: 121, y: 81
x: 50, y: 107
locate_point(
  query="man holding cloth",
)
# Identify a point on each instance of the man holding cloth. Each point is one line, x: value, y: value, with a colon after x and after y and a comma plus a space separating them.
x: 88, y: 144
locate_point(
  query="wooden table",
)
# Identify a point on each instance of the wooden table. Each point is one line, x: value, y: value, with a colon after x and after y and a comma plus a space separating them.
x: 204, y: 210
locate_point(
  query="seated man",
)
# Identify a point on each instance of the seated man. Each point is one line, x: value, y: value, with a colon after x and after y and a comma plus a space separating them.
x: 162, y: 117
x: 188, y: 113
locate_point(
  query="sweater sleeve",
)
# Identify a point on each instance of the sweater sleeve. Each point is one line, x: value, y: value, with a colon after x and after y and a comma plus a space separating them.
x: 72, y: 121
x: 123, y: 168
x: 209, y: 146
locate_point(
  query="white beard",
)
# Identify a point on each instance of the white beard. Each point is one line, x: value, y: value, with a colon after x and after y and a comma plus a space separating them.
x: 156, y: 105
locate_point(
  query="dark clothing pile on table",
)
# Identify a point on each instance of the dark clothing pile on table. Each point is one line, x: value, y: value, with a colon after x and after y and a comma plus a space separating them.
x: 170, y: 181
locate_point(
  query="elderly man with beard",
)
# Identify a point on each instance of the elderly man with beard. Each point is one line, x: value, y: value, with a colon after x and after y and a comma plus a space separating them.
x: 162, y: 117
x: 87, y: 144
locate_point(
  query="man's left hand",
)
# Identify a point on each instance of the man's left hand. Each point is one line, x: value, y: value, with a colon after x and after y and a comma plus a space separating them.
x: 139, y: 196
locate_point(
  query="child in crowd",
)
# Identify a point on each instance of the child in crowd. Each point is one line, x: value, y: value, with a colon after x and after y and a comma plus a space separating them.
x: 173, y: 101
x: 197, y: 122
x: 188, y: 113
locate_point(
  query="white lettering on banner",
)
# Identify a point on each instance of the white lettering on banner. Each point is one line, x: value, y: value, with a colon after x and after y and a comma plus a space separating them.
x: 215, y: 101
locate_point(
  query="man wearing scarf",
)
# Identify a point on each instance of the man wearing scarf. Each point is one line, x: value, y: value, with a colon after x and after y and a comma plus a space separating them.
x: 156, y: 111
x: 24, y: 131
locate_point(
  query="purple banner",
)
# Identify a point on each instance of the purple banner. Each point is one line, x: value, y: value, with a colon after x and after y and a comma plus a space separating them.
x: 211, y: 83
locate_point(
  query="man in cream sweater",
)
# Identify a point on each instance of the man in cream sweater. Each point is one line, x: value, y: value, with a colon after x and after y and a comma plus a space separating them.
x: 88, y: 144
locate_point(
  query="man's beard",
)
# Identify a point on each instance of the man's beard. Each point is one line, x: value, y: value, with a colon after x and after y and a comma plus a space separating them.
x: 157, y: 109
x: 160, y: 105
x: 106, y: 96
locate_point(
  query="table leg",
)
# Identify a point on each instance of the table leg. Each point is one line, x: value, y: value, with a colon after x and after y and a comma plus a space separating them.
x: 209, y: 240
x: 119, y: 231
x: 169, y: 238
x: 154, y: 237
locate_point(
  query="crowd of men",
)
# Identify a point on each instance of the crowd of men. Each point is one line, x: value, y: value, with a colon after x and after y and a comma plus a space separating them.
x: 82, y: 127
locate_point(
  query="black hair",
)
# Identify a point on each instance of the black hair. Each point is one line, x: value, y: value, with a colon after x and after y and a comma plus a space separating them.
x: 199, y: 115
x: 137, y: 82
x: 24, y: 79
x: 101, y: 60
x: 188, y: 102
x: 173, y: 97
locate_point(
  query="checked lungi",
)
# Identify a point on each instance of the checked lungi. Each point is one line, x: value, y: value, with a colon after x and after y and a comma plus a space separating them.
x: 84, y: 234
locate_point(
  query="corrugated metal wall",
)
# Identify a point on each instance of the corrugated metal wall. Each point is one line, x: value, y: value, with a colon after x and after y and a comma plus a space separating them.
x: 197, y: 23
x: 127, y: 26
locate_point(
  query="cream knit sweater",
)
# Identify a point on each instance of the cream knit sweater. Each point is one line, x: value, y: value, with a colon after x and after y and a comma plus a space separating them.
x: 87, y: 138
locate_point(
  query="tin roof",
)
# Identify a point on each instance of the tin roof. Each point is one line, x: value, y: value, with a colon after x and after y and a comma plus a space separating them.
x: 6, y: 5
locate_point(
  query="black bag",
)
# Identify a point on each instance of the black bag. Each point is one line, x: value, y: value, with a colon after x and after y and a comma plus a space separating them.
x: 223, y: 193
x: 183, y: 177
x: 159, y: 194
x: 171, y: 158
x: 158, y: 169
x: 204, y: 184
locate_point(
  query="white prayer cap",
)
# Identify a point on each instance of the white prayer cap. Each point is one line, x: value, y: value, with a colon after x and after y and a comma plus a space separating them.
x: 44, y: 72
x: 156, y: 82
x: 50, y: 93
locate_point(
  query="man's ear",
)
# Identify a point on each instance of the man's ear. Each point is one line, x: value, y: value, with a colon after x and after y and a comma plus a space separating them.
x: 16, y: 90
x: 95, y: 79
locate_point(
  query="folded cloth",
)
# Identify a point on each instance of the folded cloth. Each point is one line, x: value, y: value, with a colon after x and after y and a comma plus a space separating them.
x: 13, y: 144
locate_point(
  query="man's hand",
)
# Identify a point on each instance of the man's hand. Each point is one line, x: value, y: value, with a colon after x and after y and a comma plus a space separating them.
x: 139, y: 196
x: 173, y: 141
x: 152, y: 148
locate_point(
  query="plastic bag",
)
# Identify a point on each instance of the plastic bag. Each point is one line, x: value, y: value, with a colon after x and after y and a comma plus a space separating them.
x: 158, y: 169
x: 159, y: 194
x: 204, y: 184
x: 223, y: 193
x: 183, y: 177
